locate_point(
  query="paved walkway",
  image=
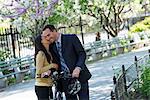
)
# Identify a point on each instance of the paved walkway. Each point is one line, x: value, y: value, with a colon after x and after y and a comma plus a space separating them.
x: 100, y: 84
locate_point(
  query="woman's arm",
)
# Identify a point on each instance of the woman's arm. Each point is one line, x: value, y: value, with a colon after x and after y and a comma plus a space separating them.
x: 40, y: 68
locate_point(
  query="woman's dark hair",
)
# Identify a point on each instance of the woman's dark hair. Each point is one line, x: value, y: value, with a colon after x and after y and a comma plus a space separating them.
x: 51, y: 27
x: 39, y: 47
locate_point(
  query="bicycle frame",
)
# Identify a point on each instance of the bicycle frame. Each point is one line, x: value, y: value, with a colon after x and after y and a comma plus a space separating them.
x: 58, y: 95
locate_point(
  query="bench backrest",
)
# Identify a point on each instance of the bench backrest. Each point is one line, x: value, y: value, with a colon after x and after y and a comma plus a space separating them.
x: 15, y: 66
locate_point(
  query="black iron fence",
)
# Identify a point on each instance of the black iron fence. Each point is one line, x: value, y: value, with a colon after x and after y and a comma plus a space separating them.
x: 14, y: 44
x: 128, y: 81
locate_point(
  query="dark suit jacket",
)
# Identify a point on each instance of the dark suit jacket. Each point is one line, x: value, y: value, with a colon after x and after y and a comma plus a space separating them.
x: 74, y: 55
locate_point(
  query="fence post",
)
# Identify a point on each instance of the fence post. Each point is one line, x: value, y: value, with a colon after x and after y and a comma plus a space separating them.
x: 136, y: 65
x: 13, y: 41
x: 114, y: 80
x: 124, y: 78
x: 149, y: 52
x: 112, y: 94
x: 125, y: 95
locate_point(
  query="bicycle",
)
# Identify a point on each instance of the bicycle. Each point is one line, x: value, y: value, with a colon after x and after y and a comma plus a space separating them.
x: 73, y: 89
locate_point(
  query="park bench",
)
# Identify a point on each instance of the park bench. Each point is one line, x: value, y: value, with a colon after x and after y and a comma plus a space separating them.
x: 88, y: 48
x: 16, y: 70
x: 99, y: 48
x: 111, y: 47
x: 94, y: 49
x: 106, y: 47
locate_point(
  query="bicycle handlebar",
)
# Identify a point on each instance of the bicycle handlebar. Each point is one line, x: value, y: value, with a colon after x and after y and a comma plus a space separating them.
x: 60, y: 75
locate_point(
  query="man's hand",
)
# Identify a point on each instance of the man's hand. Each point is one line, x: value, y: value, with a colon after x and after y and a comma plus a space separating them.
x: 55, y: 65
x: 76, y: 72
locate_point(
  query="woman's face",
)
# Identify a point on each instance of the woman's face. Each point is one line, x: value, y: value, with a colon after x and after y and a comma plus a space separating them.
x: 46, y: 36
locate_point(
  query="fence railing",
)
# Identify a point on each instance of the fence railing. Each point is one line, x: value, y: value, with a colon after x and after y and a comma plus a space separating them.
x: 129, y: 79
x: 14, y: 44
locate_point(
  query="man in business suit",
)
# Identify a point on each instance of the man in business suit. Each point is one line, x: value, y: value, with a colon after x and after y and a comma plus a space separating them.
x: 71, y: 56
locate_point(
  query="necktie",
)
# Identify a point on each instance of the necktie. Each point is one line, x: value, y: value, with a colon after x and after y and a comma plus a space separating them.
x: 62, y: 61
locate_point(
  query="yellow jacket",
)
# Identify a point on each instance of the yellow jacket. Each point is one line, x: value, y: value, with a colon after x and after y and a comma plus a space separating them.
x: 42, y: 65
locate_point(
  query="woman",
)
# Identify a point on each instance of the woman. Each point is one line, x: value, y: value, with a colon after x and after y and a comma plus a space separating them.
x: 44, y: 62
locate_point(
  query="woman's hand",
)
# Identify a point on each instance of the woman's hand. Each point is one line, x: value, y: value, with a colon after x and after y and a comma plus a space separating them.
x: 46, y: 74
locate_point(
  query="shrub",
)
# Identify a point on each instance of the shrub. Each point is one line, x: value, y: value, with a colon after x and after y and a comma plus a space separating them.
x: 27, y: 77
x: 145, y: 78
x: 11, y: 81
x: 140, y: 26
x: 4, y: 54
x: 123, y: 42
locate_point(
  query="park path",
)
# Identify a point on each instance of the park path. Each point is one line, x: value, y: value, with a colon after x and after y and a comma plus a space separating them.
x: 101, y: 82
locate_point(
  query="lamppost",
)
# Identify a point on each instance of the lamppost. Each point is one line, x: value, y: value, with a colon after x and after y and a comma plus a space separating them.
x: 81, y: 29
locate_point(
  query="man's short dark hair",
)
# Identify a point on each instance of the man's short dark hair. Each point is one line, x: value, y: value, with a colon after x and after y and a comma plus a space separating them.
x: 51, y: 27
